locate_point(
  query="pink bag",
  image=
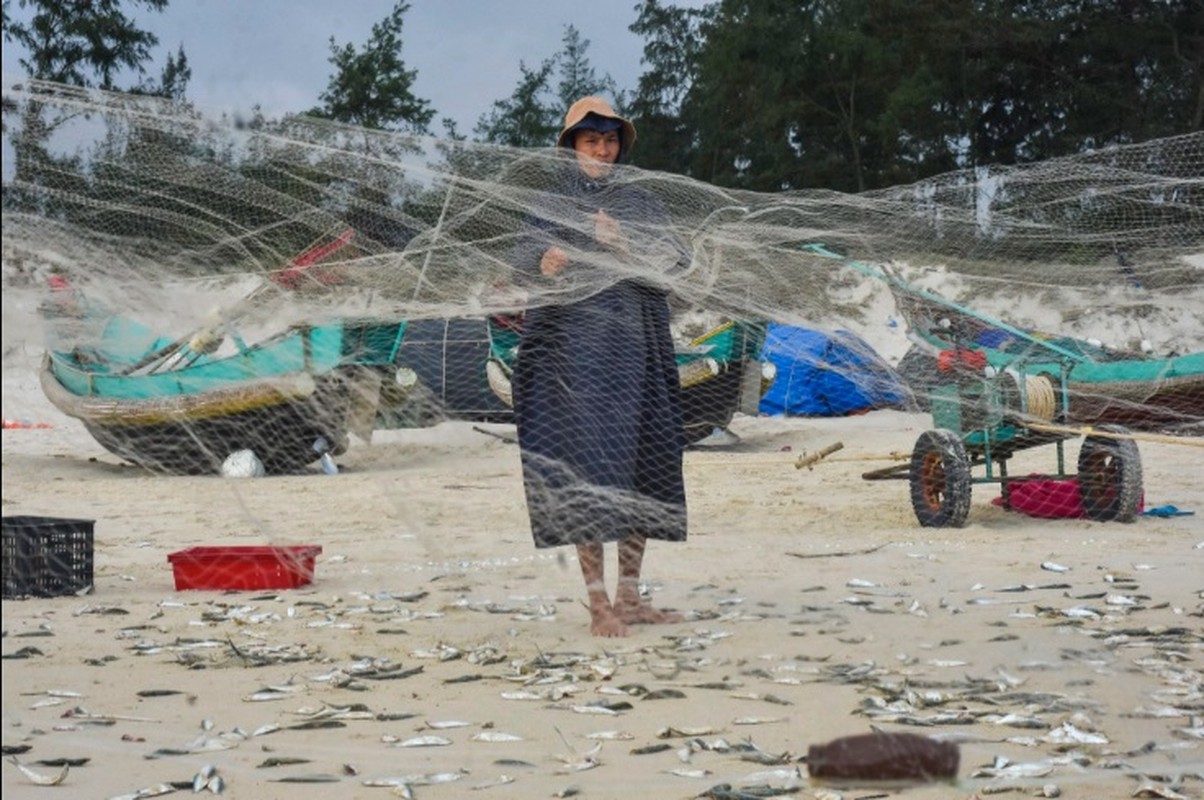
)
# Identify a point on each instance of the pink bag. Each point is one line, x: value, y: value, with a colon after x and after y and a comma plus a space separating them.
x: 1048, y: 499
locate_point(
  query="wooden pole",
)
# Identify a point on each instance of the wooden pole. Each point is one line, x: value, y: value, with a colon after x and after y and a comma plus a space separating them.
x: 1087, y: 430
x: 810, y: 460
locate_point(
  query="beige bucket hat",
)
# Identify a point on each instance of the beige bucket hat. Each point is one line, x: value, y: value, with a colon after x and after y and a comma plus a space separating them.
x: 579, y: 110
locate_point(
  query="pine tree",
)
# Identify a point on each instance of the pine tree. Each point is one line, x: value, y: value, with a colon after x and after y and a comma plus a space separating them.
x: 371, y: 87
x: 82, y: 44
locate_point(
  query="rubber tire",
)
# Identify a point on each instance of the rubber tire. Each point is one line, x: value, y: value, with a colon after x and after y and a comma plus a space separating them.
x: 918, y: 370
x: 940, y: 479
x: 1110, y: 476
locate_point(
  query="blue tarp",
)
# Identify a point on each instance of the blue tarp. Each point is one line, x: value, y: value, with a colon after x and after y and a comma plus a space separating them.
x: 827, y: 374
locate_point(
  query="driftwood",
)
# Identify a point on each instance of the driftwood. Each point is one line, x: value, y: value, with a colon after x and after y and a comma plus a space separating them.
x: 810, y: 460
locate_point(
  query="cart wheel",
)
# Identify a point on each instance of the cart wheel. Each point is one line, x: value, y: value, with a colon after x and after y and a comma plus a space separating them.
x: 1110, y: 476
x: 940, y: 480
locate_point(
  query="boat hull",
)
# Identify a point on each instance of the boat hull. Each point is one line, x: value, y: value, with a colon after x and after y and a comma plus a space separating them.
x: 281, y: 435
x: 289, y: 400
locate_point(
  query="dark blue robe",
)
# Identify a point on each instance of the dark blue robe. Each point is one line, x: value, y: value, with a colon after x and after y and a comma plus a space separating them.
x: 595, y: 385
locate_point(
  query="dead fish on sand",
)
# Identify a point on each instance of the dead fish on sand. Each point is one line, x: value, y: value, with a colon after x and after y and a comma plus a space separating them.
x: 445, y: 724
x: 610, y: 736
x: 671, y: 732
x: 36, y: 777
x: 500, y: 780
x: 207, y: 779
x: 157, y: 790
x: 589, y: 761
x: 421, y: 779
x: 424, y: 741
x: 495, y: 736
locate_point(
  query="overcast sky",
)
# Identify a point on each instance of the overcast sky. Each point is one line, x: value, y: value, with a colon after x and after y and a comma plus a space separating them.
x: 466, y: 52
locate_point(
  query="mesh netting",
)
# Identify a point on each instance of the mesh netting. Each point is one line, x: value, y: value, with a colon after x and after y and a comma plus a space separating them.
x: 336, y: 238
x: 251, y: 297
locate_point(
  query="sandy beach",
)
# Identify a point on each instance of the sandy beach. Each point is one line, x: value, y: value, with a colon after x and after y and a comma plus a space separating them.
x: 437, y: 650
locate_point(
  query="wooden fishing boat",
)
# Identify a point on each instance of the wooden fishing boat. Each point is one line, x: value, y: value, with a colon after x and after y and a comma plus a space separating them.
x: 290, y: 398
x: 721, y: 372
x: 184, y: 405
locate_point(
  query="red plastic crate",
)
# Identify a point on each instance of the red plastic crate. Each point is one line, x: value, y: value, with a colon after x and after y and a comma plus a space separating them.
x: 244, y: 567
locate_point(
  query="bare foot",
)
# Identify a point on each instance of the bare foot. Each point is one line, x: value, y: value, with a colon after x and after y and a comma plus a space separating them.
x: 641, y: 613
x: 604, y: 622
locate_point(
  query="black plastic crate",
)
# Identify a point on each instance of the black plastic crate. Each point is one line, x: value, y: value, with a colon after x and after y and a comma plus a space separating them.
x: 47, y: 556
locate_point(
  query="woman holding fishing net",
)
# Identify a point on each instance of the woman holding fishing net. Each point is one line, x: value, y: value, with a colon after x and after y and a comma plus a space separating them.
x: 596, y: 385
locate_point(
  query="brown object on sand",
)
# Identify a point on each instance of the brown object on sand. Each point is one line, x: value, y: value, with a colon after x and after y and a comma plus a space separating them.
x: 884, y: 757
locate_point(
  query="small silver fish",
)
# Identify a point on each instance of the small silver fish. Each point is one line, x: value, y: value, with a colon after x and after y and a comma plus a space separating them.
x: 147, y: 791
x: 673, y: 732
x: 200, y: 781
x: 423, y: 779
x: 37, y: 777
x: 425, y: 741
x: 265, y: 696
x: 610, y: 736
x: 495, y: 736
x: 438, y: 725
x: 591, y: 709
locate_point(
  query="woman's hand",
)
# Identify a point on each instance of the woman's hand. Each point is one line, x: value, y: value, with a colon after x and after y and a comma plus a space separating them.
x: 608, y: 233
x: 553, y: 261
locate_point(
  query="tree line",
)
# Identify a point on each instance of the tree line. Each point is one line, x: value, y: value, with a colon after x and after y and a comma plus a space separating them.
x: 766, y: 95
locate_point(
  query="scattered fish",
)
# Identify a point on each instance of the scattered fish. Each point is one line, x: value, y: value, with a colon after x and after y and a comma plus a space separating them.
x: 281, y: 761
x: 610, y: 736
x: 425, y: 741
x: 36, y: 777
x: 417, y: 779
x: 495, y: 736
x: 316, y: 777
x: 500, y: 780
x: 158, y: 790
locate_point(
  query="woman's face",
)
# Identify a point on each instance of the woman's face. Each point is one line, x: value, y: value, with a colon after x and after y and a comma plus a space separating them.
x: 596, y: 152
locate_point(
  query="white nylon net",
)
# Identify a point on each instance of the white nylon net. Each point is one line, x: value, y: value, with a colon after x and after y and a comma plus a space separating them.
x: 224, y: 296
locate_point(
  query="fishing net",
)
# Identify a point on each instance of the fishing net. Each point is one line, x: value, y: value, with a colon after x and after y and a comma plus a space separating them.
x: 242, y: 296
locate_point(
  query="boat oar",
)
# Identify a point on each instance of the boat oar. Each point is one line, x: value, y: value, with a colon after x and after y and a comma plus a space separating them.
x: 198, y: 343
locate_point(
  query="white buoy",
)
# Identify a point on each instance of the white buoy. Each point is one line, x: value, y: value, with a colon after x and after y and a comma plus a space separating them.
x: 242, y: 464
